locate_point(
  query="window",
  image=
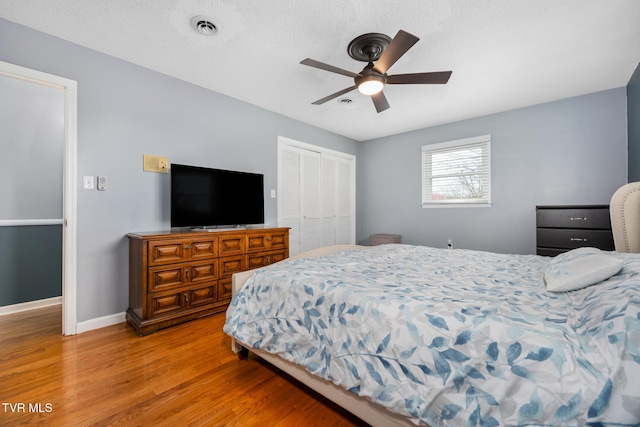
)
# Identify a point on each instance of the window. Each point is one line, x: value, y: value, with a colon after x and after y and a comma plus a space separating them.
x: 457, y: 173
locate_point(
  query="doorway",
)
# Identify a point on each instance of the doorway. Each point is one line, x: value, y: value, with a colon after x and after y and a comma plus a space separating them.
x: 69, y: 183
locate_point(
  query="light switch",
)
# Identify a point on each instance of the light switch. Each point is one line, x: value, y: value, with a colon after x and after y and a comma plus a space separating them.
x: 273, y: 194
x: 87, y: 182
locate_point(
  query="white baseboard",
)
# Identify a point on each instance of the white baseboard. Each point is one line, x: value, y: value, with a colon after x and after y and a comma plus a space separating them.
x: 30, y: 305
x: 100, y: 322
x: 87, y: 325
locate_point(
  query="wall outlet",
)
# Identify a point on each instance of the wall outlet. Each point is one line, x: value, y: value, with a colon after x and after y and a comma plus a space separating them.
x: 155, y: 163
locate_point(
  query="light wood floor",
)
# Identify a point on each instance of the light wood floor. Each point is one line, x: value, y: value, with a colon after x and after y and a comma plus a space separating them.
x: 180, y: 376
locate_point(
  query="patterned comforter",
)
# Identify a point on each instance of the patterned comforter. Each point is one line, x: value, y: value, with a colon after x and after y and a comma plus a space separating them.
x: 453, y: 337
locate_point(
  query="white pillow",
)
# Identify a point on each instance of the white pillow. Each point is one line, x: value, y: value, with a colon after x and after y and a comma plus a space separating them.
x: 579, y: 268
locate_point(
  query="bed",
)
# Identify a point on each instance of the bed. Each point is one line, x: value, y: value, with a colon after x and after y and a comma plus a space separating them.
x: 412, y: 335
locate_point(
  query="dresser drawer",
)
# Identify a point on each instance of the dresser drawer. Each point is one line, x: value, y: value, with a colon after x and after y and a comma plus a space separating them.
x: 202, y: 271
x: 178, y: 275
x: 166, y: 303
x: 571, y: 239
x: 224, y: 289
x: 262, y: 259
x: 230, y: 265
x: 231, y: 245
x: 167, y: 251
x: 168, y: 277
x: 203, y: 295
x: 262, y: 242
x: 163, y: 252
x: 591, y: 218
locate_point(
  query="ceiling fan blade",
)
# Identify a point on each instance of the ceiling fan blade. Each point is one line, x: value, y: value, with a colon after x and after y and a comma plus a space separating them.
x: 434, y: 78
x: 335, y: 95
x: 380, y: 101
x: 400, y: 44
x: 321, y: 65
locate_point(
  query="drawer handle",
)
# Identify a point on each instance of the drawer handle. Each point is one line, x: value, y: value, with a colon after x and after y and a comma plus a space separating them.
x: 187, y: 273
x: 578, y: 218
x: 186, y: 298
x: 187, y: 246
x: 578, y: 239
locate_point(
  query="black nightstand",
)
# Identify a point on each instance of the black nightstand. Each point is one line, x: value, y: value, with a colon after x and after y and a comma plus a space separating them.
x: 562, y: 228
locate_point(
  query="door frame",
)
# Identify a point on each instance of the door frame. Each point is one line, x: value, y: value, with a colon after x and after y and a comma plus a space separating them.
x: 69, y: 188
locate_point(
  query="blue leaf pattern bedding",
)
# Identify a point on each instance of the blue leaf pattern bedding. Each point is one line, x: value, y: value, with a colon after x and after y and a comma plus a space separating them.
x: 453, y: 337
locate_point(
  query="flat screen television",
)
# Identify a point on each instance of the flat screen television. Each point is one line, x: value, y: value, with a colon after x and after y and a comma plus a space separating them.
x: 205, y: 197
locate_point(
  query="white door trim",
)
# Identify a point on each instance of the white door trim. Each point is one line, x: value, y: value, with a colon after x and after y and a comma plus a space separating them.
x: 70, y: 193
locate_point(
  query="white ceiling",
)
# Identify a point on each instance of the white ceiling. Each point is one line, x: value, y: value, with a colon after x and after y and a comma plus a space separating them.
x: 504, y: 54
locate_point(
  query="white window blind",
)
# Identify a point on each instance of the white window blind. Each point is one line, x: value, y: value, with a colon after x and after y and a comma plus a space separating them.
x: 457, y: 172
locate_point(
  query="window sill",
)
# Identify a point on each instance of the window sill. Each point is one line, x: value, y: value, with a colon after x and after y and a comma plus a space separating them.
x: 456, y: 205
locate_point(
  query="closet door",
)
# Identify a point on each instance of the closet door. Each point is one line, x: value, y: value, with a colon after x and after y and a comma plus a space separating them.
x: 289, y: 191
x: 345, y: 209
x: 310, y: 200
x: 328, y: 201
x: 316, y: 197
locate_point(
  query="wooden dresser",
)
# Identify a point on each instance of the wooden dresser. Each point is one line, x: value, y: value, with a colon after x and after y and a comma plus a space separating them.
x: 562, y: 228
x: 179, y: 276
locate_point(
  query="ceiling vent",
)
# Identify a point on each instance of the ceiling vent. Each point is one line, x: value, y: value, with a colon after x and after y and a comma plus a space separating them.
x: 204, y: 25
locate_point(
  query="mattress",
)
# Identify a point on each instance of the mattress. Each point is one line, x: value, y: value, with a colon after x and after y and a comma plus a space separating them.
x: 453, y: 337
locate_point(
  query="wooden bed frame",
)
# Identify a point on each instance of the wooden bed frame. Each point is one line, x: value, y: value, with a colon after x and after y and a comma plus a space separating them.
x: 367, y: 411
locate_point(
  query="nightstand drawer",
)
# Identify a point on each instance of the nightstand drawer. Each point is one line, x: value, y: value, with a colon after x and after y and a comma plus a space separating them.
x: 591, y: 218
x: 571, y: 239
x: 550, y: 251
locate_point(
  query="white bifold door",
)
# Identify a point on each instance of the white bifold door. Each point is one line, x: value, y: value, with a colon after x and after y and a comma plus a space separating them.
x: 316, y: 195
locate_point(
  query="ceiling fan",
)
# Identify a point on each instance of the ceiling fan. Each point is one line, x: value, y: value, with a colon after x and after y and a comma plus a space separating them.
x: 381, y: 49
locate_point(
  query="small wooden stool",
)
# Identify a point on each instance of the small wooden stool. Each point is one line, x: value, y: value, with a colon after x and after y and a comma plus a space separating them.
x: 381, y: 239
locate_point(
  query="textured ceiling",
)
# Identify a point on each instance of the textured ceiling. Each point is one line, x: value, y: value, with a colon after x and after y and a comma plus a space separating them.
x: 504, y: 54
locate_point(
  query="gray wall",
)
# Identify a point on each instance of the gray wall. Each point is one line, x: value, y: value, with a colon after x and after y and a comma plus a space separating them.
x: 572, y: 151
x: 633, y: 124
x: 32, y: 144
x: 125, y: 111
x: 31, y: 267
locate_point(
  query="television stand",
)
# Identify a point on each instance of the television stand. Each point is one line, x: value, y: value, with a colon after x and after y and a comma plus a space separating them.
x: 176, y: 276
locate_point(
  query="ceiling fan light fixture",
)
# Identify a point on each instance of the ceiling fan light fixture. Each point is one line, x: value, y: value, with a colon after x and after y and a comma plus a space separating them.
x: 382, y: 50
x: 370, y: 85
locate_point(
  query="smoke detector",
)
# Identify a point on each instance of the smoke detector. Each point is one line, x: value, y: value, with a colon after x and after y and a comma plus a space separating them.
x: 204, y: 25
